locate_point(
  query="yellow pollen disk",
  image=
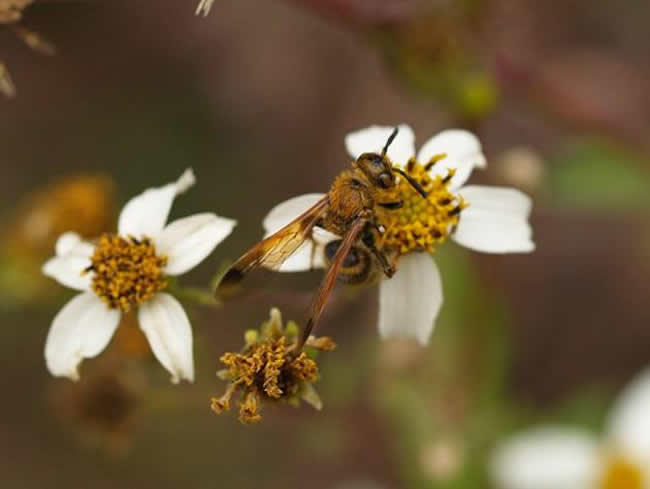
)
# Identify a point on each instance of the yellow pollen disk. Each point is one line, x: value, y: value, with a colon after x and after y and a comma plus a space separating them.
x: 421, y: 223
x: 620, y: 473
x: 126, y: 271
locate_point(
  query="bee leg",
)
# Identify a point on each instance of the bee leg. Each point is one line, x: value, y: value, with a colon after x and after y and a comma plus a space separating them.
x: 392, y: 205
x: 386, y: 265
x: 368, y: 239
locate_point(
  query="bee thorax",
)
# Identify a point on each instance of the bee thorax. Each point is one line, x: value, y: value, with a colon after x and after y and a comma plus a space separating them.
x: 349, y: 198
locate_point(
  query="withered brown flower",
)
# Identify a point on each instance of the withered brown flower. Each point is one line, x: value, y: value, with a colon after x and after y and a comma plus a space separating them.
x: 270, y: 368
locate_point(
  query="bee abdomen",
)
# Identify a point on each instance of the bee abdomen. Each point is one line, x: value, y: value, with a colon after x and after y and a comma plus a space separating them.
x: 356, y: 266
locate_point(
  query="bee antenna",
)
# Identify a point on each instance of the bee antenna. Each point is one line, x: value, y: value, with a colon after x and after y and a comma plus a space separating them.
x: 412, y: 181
x: 389, y: 141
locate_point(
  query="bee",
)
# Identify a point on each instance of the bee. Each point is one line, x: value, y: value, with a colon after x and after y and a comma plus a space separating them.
x: 348, y: 210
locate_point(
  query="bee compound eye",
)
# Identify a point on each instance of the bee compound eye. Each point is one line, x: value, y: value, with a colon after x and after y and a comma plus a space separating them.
x: 377, y: 161
x: 386, y: 180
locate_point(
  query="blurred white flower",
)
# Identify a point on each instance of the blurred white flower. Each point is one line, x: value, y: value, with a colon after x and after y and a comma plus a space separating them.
x: 128, y: 270
x: 563, y: 457
x: 486, y: 219
x: 441, y: 460
x: 522, y: 166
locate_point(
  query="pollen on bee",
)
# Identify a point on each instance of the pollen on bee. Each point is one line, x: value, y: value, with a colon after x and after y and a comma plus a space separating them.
x: 422, y: 223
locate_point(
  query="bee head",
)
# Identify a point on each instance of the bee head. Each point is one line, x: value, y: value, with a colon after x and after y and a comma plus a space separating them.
x: 379, y: 169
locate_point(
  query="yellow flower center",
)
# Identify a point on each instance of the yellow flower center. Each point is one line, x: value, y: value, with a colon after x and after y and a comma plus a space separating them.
x: 620, y: 473
x: 127, y: 271
x: 421, y: 223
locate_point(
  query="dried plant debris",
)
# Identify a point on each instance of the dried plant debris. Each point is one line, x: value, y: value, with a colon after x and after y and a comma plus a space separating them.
x: 270, y: 368
x: 6, y: 85
x: 203, y: 8
x: 11, y: 11
x: 11, y: 14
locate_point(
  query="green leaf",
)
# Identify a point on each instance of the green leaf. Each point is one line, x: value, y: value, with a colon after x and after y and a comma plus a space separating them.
x: 595, y: 175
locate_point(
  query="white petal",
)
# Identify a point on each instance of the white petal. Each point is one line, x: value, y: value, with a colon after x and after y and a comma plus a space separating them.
x: 73, y: 257
x: 500, y: 200
x: 546, y: 458
x: 463, y: 151
x: 323, y: 236
x: 168, y: 330
x: 410, y: 301
x: 68, y: 271
x: 187, y: 242
x: 496, y: 220
x: 285, y: 212
x: 301, y: 260
x: 82, y: 329
x: 146, y: 214
x: 306, y: 256
x: 66, y: 242
x: 72, y: 243
x: 629, y: 422
x: 373, y: 139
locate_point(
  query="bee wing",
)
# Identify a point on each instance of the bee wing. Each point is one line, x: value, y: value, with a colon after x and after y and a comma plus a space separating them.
x: 271, y: 252
x: 328, y: 282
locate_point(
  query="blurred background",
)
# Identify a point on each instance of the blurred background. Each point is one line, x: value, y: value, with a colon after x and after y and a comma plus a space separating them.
x: 257, y: 98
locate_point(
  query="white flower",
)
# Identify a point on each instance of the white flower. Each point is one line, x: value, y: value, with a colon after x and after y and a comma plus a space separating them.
x: 128, y: 270
x: 495, y: 220
x: 562, y: 457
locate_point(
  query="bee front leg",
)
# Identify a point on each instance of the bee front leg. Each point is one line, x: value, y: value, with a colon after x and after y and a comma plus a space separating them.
x: 392, y: 205
x: 386, y: 265
x: 368, y: 238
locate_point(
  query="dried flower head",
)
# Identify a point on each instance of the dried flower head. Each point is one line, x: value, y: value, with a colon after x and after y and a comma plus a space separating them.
x: 11, y: 14
x: 103, y: 408
x: 81, y: 203
x: 7, y: 87
x: 270, y: 368
x: 12, y: 10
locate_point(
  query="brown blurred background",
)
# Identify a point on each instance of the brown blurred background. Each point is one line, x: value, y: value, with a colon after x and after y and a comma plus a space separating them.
x: 257, y: 98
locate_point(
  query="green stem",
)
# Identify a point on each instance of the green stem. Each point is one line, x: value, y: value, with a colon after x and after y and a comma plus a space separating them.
x: 197, y: 295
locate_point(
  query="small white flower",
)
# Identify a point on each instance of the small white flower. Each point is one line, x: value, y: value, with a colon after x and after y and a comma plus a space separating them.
x: 492, y: 220
x: 128, y: 270
x: 564, y: 457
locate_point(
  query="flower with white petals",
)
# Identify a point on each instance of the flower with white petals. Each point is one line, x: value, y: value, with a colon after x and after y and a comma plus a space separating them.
x: 482, y: 218
x: 562, y: 457
x: 129, y: 270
